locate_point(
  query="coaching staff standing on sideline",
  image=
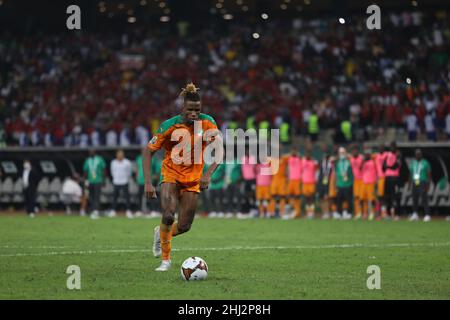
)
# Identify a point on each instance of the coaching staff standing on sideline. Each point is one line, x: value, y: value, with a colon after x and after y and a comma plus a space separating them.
x: 420, y: 170
x: 30, y: 180
x: 391, y: 168
x: 94, y: 169
x: 121, y: 174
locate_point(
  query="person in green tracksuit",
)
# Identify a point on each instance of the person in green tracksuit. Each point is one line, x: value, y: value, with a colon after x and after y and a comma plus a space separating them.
x: 94, y: 169
x: 153, y: 204
x: 344, y: 183
x: 216, y: 191
x: 232, y: 187
x: 205, y: 195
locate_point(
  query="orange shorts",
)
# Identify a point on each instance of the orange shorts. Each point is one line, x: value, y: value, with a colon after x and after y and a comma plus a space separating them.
x: 308, y: 189
x: 294, y: 188
x: 278, y: 187
x: 357, y: 188
x: 183, y: 186
x: 368, y: 192
x: 380, y: 187
x: 262, y: 192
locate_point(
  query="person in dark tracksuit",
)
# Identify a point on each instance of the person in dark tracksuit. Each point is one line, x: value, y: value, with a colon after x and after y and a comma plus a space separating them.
x: 420, y: 175
x: 30, y: 180
x: 344, y: 184
x: 391, y: 167
x: 216, y: 193
x: 94, y: 169
x: 232, y: 189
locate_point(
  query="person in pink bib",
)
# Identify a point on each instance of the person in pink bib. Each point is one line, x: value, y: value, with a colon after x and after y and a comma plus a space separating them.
x: 391, y: 168
x: 309, y: 169
x: 380, y: 156
x: 294, y: 184
x: 263, y: 180
x: 369, y: 178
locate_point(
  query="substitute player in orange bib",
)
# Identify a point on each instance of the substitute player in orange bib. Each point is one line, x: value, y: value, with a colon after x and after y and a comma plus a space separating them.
x: 180, y: 182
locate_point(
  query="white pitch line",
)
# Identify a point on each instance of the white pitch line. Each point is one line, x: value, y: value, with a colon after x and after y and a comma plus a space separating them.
x: 329, y: 246
x: 60, y: 247
x: 33, y: 247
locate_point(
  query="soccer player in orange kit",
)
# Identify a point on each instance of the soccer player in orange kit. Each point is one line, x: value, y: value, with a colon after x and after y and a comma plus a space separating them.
x: 180, y: 182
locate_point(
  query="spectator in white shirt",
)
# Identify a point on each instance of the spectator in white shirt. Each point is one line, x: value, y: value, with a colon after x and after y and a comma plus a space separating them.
x: 95, y: 138
x: 412, y: 126
x: 142, y: 135
x: 431, y: 103
x: 111, y: 138
x: 124, y: 138
x: 121, y: 173
x: 447, y: 126
x: 430, y: 127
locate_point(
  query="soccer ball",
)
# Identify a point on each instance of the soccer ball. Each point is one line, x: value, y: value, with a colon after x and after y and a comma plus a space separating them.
x: 194, y: 268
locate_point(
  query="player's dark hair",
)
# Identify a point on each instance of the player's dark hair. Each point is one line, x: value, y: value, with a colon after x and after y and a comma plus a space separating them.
x: 393, y: 146
x: 190, y: 93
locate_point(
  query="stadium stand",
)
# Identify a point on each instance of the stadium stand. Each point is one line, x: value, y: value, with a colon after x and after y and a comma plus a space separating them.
x: 82, y: 89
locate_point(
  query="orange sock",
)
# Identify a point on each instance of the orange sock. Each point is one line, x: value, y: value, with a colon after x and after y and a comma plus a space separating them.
x: 365, y: 209
x: 166, y: 243
x: 272, y: 205
x: 261, y: 210
x: 298, y: 207
x: 291, y: 202
x: 333, y: 207
x: 174, y: 229
x: 282, y: 206
x: 357, y: 206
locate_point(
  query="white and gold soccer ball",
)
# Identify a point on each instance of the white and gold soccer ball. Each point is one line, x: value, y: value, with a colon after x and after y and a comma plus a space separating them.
x: 194, y: 268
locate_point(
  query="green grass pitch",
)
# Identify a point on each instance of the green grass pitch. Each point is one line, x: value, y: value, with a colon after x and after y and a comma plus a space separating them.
x: 247, y: 259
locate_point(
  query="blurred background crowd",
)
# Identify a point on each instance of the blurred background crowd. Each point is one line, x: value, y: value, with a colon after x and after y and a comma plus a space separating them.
x: 104, y: 88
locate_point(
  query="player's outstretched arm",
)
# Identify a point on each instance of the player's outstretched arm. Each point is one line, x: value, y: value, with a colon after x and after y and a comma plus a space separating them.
x: 206, y: 178
x: 149, y: 189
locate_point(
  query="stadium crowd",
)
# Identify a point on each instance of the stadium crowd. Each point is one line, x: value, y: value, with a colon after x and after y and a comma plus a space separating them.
x: 91, y: 89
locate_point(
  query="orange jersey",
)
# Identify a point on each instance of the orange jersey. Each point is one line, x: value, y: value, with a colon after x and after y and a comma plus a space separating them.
x: 278, y: 184
x: 280, y: 175
x: 181, y: 172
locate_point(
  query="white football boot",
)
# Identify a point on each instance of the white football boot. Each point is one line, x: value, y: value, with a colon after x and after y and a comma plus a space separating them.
x: 336, y: 216
x: 212, y: 214
x: 346, y: 215
x: 156, y: 243
x: 95, y: 215
x: 427, y: 218
x: 165, y: 266
x: 414, y: 217
x: 129, y: 214
x: 112, y: 213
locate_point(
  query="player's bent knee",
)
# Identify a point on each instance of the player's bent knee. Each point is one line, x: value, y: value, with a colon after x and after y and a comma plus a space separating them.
x: 183, y: 228
x: 168, y: 219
